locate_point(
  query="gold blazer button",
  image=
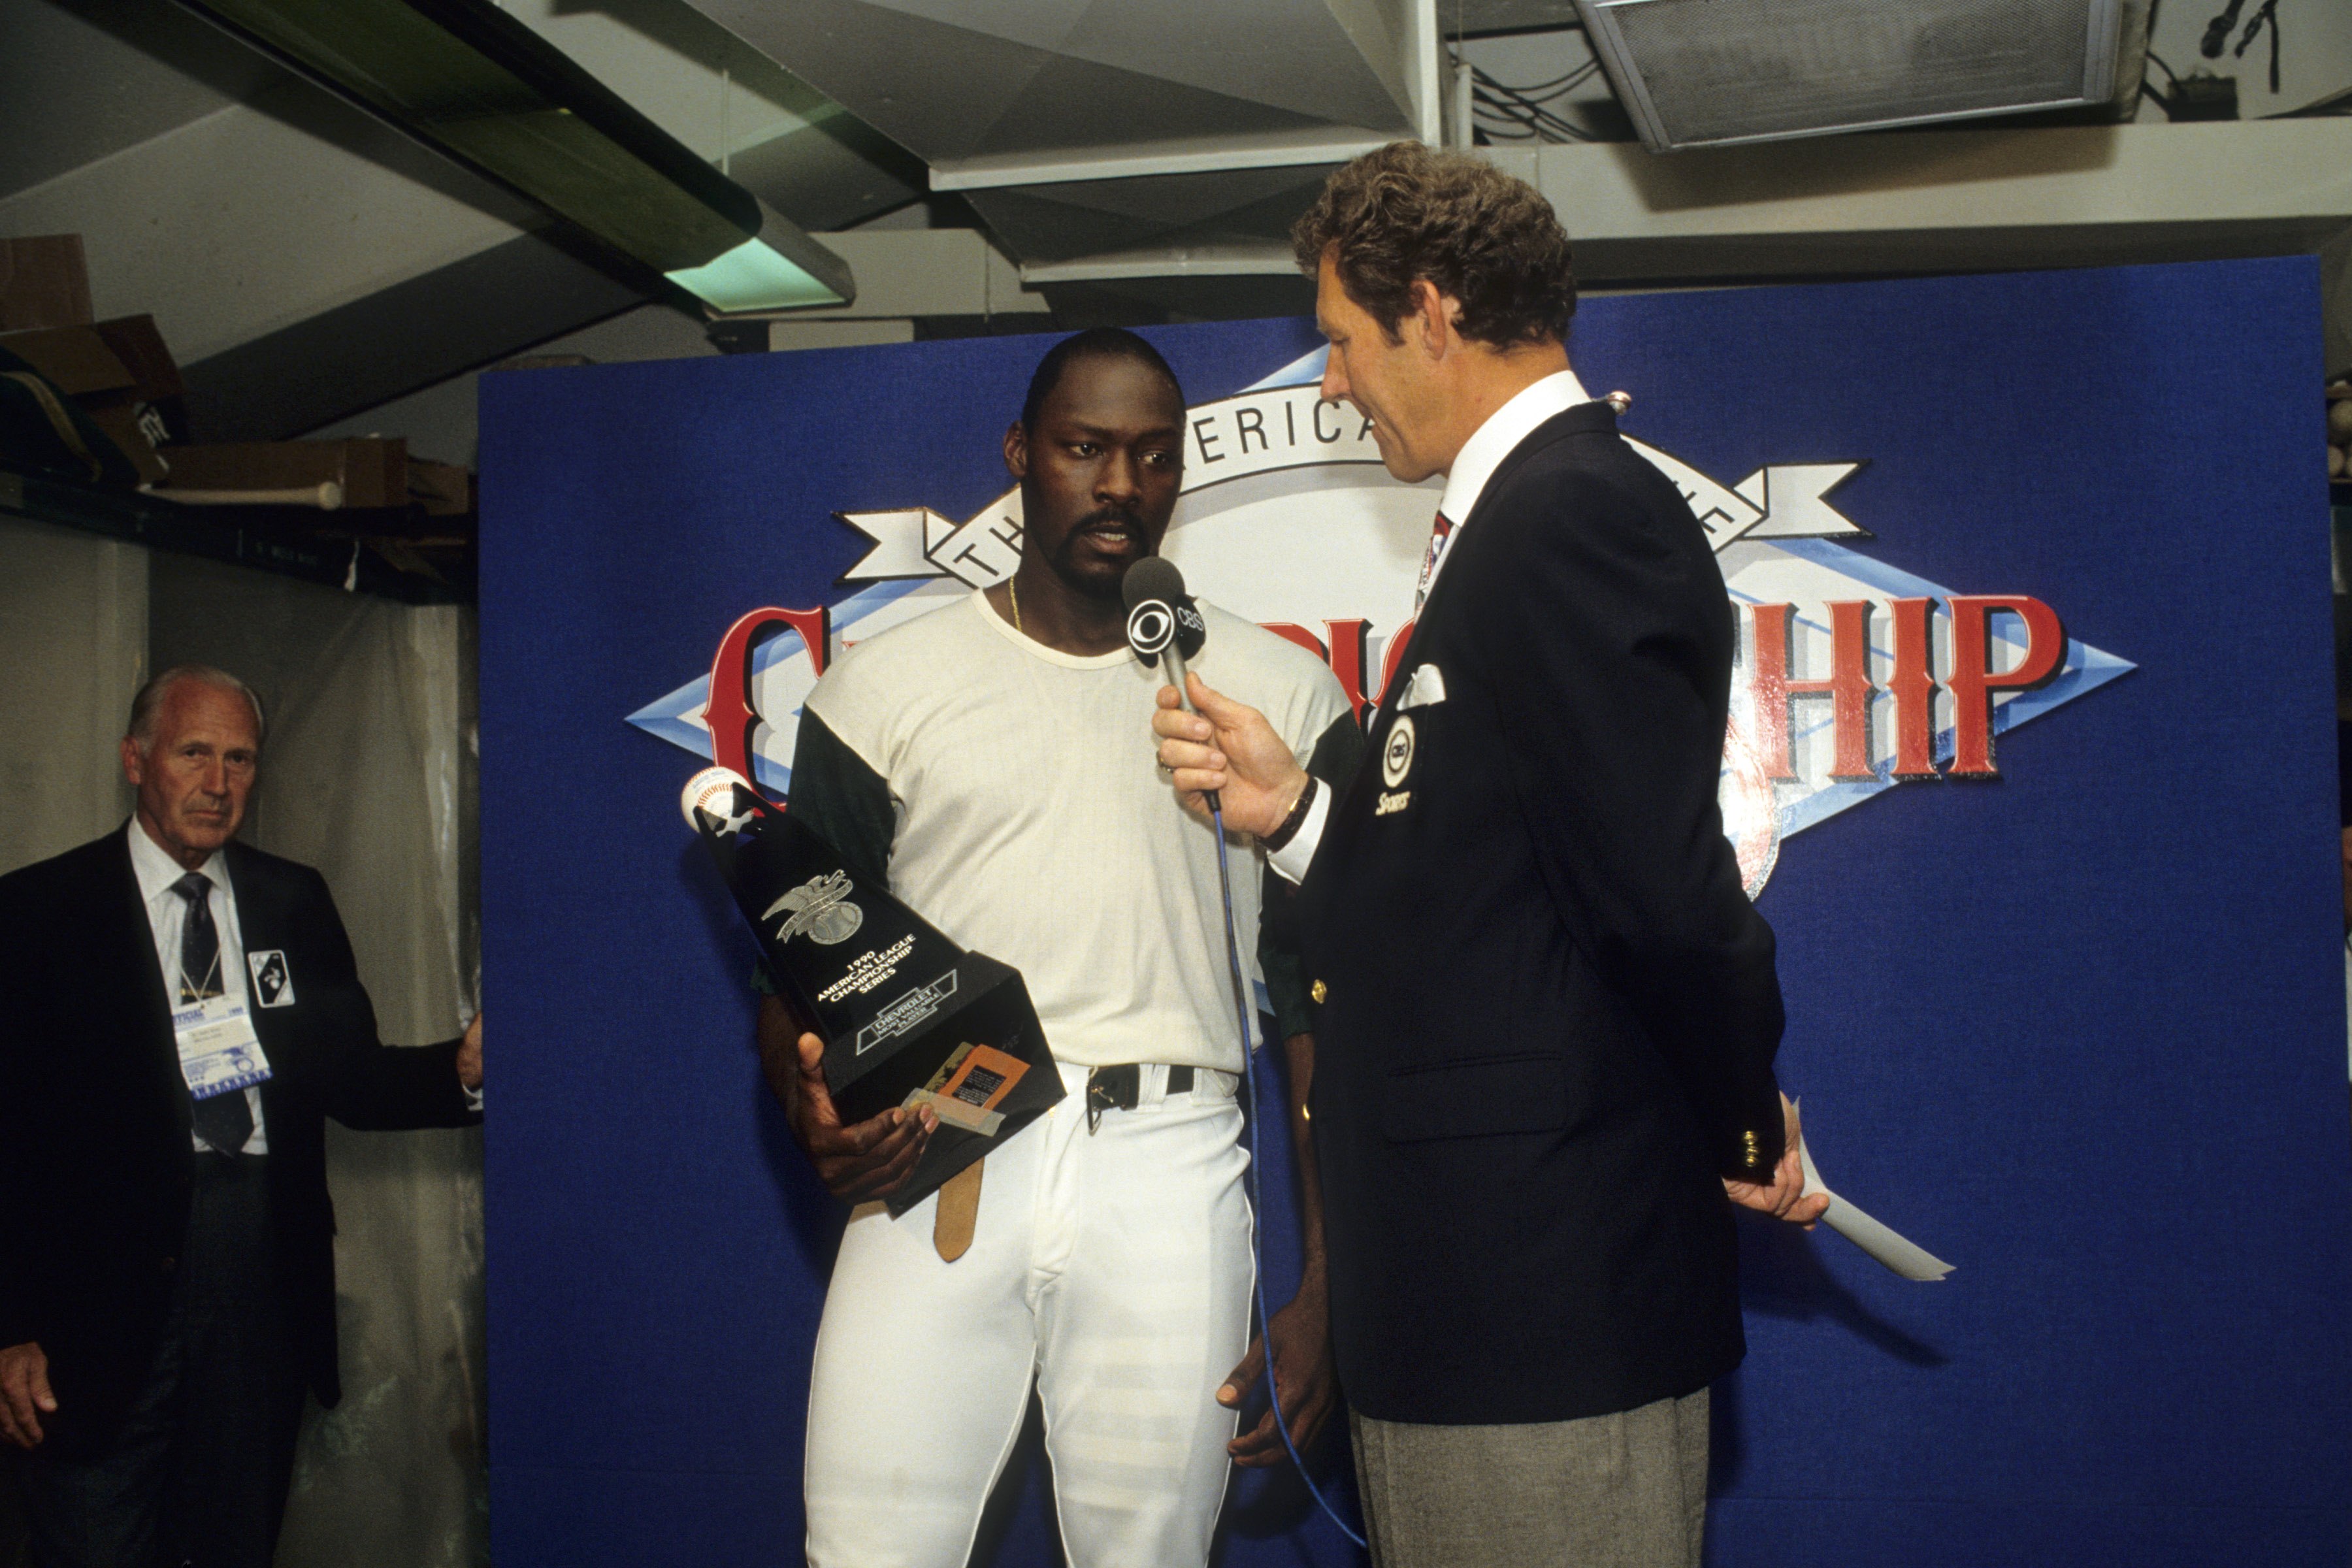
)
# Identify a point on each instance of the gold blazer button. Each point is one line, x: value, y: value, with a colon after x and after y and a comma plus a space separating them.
x: 1318, y: 991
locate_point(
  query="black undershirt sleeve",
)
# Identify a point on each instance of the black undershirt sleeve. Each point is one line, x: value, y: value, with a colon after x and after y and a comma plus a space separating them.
x: 846, y: 802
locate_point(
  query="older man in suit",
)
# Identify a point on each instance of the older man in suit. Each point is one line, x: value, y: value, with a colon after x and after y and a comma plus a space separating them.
x: 182, y: 1015
x: 1550, y: 1010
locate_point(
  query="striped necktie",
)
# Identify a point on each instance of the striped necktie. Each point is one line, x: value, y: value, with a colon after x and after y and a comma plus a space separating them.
x: 1438, y: 535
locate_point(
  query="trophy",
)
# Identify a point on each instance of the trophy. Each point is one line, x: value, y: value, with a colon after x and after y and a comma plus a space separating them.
x: 907, y: 1018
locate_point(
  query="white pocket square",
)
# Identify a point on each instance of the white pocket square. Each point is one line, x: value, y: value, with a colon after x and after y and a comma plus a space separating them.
x: 1426, y: 686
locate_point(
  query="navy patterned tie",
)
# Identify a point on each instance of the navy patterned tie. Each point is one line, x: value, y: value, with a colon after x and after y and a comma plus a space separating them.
x: 224, y: 1120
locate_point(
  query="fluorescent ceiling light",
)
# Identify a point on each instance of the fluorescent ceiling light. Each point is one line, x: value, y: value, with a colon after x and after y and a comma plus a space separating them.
x: 474, y: 84
x: 752, y: 276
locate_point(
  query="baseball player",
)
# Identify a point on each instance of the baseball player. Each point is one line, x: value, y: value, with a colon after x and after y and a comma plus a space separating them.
x: 983, y: 760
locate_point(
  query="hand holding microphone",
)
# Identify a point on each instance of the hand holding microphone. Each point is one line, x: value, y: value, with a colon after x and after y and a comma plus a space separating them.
x: 1221, y: 745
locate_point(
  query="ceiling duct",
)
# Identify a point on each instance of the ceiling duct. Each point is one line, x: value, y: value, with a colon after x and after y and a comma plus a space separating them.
x: 473, y: 83
x: 1698, y: 73
x: 1120, y: 139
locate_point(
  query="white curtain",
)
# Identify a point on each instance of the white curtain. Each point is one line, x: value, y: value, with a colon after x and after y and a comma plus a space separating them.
x: 73, y: 643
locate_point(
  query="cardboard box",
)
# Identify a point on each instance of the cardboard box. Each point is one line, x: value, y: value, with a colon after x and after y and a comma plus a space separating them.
x: 443, y: 489
x: 158, y: 387
x: 368, y: 472
x: 76, y: 360
x: 43, y: 283
x: 121, y: 375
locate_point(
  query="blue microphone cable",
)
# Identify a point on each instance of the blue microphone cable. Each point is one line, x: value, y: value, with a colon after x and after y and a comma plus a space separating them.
x: 1257, y: 1239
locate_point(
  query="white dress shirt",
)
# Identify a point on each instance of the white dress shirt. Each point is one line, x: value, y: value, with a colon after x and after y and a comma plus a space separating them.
x: 1473, y: 465
x: 167, y: 916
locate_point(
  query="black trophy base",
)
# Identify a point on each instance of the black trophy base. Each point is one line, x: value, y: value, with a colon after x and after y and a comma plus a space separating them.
x: 965, y: 1044
x: 910, y: 1019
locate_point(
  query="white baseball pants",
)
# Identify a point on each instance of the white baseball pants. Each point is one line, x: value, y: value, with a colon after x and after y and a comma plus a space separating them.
x: 1116, y: 1269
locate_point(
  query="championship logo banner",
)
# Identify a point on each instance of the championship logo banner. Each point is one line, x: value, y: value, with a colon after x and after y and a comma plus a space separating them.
x: 1854, y: 676
x: 2064, y: 1001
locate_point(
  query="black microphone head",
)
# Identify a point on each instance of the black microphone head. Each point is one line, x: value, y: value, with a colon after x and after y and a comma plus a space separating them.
x: 1158, y: 611
x: 1153, y: 578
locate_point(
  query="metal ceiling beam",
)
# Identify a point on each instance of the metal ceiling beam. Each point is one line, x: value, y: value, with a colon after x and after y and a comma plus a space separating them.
x: 957, y: 82
x: 1094, y: 128
x: 1275, y: 152
x: 1264, y: 262
x: 258, y: 216
x: 1949, y: 200
x: 390, y: 342
x: 492, y: 95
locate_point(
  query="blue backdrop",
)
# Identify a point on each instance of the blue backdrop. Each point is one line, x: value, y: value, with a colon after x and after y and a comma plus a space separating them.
x: 2080, y: 1031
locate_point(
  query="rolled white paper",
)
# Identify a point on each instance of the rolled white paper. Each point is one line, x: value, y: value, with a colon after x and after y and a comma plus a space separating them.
x: 1904, y: 1258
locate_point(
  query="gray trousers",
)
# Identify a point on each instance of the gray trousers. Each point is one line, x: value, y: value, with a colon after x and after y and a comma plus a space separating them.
x: 1627, y: 1490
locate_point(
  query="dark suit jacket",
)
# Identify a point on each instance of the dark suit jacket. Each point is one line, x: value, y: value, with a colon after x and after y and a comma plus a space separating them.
x: 95, y: 1122
x: 1551, y: 1011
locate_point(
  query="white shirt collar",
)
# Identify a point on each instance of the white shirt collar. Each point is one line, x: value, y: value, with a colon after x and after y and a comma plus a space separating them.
x: 1505, y: 429
x: 157, y: 871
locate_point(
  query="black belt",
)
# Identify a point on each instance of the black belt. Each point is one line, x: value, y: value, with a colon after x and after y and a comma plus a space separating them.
x: 1119, y: 1088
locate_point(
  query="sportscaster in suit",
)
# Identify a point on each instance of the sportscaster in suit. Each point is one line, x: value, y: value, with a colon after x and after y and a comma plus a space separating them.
x: 1549, y: 1010
x: 167, y: 1280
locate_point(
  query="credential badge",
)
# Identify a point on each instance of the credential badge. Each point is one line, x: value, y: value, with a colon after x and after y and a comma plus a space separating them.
x: 273, y: 983
x: 1396, y: 756
x: 820, y: 910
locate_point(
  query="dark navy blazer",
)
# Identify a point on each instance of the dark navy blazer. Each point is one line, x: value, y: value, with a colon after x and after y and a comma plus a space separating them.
x: 1549, y: 1012
x: 96, y: 1156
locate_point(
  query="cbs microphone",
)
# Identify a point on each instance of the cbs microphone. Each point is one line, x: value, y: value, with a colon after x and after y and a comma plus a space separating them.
x: 1164, y: 625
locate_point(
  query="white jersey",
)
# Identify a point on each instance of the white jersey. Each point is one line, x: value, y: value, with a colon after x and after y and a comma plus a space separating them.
x: 1033, y: 822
